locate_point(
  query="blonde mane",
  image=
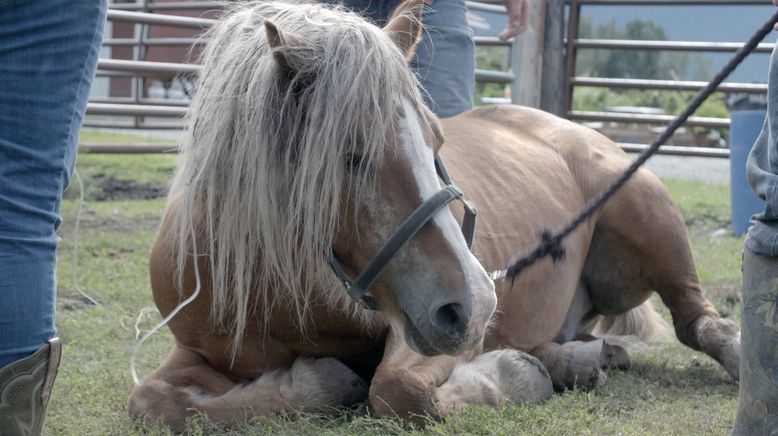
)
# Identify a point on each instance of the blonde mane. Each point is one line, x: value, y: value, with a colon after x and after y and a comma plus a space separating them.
x: 262, y: 172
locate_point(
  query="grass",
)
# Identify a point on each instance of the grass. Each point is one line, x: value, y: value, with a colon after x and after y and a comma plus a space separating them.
x: 670, y: 390
x: 98, y: 136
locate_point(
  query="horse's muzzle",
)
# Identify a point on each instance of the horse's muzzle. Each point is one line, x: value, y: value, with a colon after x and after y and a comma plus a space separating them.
x: 445, y: 332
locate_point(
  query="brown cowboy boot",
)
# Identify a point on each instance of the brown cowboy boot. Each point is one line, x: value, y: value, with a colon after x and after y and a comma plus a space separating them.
x: 25, y: 388
x: 758, y: 399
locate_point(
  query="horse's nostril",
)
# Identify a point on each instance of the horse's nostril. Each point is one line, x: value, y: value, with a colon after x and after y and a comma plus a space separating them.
x: 451, y: 319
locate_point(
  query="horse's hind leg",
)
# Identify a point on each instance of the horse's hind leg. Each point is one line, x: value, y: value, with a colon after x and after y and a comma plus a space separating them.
x: 643, y: 240
x: 574, y: 364
x: 414, y: 387
x: 186, y: 385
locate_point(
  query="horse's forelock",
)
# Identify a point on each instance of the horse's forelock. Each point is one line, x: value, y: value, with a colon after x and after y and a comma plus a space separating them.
x: 266, y: 160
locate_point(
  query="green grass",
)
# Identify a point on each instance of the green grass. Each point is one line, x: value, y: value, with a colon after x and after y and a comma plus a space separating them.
x: 97, y: 136
x: 670, y: 390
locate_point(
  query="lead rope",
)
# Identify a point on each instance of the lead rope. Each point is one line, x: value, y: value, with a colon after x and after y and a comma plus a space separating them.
x: 550, y: 244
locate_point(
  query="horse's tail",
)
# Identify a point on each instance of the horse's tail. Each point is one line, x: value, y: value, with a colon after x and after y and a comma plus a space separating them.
x: 642, y: 322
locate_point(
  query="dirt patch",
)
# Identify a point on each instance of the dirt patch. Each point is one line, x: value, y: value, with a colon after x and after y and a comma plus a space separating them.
x: 113, y: 189
x: 72, y: 301
x: 96, y: 224
x: 708, y: 220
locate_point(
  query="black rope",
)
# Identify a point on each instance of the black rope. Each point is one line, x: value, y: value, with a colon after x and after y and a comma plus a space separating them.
x: 551, y: 243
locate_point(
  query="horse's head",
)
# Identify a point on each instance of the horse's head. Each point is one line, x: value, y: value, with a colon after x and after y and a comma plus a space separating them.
x: 433, y: 287
x: 310, y: 137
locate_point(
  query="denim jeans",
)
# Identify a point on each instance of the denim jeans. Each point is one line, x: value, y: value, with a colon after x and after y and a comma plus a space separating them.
x: 762, y: 172
x: 445, y: 58
x: 48, y: 57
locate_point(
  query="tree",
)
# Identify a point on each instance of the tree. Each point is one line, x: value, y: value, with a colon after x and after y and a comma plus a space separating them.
x: 643, y: 64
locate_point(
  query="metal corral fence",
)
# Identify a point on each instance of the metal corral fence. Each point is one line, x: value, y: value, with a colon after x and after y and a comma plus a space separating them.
x: 139, y: 110
x: 557, y: 77
x: 573, y: 43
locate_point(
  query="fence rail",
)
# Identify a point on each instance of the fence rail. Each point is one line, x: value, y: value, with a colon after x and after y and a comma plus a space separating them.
x: 696, y: 46
x: 154, y: 113
x: 138, y: 70
x: 673, y: 85
x: 574, y: 43
x: 159, y: 19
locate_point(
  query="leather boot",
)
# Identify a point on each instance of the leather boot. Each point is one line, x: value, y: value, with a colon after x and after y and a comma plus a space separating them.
x: 758, y: 397
x: 25, y: 388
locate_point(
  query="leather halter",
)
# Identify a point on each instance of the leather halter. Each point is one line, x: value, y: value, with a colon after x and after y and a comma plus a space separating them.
x: 357, y: 289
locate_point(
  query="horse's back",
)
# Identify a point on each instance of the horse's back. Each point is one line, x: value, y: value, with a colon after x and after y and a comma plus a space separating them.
x: 526, y: 170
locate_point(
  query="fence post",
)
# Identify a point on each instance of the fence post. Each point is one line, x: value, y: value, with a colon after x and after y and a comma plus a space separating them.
x: 527, y: 58
x: 570, y: 53
x: 552, y: 87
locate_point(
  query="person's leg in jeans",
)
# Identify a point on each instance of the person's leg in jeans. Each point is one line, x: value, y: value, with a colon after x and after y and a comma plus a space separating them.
x: 758, y: 396
x: 445, y: 57
x: 48, y: 57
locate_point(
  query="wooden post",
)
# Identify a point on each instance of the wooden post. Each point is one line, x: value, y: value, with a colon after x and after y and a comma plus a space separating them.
x: 570, y: 53
x: 552, y: 89
x: 527, y: 58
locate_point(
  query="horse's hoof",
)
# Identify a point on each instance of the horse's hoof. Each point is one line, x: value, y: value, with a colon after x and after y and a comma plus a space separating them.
x: 615, y: 356
x: 720, y: 339
x: 525, y: 379
x: 583, y: 368
x: 332, y: 381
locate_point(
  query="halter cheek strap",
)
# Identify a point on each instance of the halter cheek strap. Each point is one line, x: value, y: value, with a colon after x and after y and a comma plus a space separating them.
x: 357, y: 289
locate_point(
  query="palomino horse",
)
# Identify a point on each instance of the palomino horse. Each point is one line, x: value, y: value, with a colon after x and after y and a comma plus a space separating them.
x: 309, y: 143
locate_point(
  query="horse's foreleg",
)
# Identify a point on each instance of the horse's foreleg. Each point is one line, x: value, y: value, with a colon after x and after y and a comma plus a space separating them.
x: 186, y: 384
x: 411, y: 386
x: 493, y: 378
x: 405, y: 381
x: 165, y: 395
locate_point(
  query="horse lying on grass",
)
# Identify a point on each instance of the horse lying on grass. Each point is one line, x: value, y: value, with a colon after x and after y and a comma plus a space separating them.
x: 309, y: 137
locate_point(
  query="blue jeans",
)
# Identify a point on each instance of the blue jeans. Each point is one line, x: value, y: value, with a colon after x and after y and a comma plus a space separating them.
x: 445, y: 58
x: 48, y: 57
x: 762, y: 172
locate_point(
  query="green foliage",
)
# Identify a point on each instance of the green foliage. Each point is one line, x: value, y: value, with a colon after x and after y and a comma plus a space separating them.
x: 644, y: 64
x: 494, y: 59
x: 673, y: 102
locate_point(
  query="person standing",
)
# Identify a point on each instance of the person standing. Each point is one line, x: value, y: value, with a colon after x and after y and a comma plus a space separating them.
x: 48, y: 58
x: 758, y: 392
x: 445, y: 58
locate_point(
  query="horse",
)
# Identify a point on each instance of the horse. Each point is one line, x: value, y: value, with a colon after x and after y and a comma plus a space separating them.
x: 309, y: 145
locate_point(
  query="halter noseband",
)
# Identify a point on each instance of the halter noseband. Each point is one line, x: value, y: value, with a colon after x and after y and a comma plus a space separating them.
x: 357, y: 289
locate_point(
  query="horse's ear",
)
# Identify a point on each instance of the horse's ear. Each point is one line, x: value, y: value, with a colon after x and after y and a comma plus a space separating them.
x: 290, y: 51
x: 404, y: 27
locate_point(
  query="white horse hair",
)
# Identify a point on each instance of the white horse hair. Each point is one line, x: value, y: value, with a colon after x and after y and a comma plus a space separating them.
x: 265, y: 153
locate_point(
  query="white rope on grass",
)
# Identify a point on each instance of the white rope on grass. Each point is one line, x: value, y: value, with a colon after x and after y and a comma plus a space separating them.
x: 166, y: 320
x: 74, y: 266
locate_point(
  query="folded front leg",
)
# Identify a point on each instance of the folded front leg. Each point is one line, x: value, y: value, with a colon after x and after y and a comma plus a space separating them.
x: 414, y: 387
x: 493, y: 378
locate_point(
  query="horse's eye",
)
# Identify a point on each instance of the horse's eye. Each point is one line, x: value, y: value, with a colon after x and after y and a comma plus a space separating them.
x: 353, y: 162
